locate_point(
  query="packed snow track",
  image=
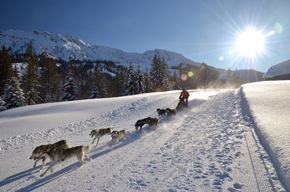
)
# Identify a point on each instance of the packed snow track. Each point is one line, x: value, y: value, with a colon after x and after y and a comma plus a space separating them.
x: 210, y: 146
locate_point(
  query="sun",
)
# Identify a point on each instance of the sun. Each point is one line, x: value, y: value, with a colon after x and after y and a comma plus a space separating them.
x: 250, y: 43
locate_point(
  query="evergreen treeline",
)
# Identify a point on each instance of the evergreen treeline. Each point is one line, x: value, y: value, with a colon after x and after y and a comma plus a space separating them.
x: 28, y: 79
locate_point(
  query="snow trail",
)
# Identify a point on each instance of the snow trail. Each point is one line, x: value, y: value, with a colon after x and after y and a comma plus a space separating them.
x: 211, y: 146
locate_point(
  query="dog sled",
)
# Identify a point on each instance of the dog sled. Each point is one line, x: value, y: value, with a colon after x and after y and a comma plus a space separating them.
x: 181, y: 105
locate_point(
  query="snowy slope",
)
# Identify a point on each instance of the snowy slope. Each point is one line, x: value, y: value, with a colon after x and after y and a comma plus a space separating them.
x: 211, y: 146
x: 67, y: 47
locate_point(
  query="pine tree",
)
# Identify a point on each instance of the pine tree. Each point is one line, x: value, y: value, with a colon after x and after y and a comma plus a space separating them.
x: 159, y: 74
x: 96, y: 81
x: 206, y: 76
x: 13, y: 94
x: 5, y: 67
x: 130, y: 85
x: 94, y: 91
x: 154, y: 73
x: 2, y: 103
x: 149, y: 85
x: 120, y: 80
x: 98, y: 88
x: 140, y: 87
x: 50, y: 80
x: 69, y: 88
x: 30, y: 80
x: 165, y: 75
x: 175, y: 81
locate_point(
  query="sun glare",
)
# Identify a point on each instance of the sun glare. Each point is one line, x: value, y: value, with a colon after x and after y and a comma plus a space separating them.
x: 250, y: 43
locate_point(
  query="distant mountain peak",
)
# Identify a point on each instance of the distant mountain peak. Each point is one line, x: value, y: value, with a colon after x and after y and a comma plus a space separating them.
x: 66, y: 47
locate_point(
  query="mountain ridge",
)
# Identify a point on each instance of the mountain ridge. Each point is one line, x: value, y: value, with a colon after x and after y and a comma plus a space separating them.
x: 67, y: 47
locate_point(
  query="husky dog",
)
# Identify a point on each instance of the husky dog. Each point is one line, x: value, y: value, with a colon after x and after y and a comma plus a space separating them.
x: 117, y: 135
x: 37, y: 153
x: 98, y: 133
x: 59, y: 155
x: 170, y: 112
x: 141, y: 122
x: 152, y: 121
x: 161, y: 112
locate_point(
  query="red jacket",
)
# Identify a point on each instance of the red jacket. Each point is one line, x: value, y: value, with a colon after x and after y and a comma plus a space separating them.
x: 184, y: 94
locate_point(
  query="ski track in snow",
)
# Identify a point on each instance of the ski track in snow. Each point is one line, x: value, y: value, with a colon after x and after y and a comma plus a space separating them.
x: 211, y: 146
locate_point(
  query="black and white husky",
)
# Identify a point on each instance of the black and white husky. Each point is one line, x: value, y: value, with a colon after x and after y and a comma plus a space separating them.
x: 140, y: 123
x: 161, y: 112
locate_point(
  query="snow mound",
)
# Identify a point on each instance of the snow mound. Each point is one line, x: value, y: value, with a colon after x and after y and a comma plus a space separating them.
x: 269, y: 109
x: 278, y: 70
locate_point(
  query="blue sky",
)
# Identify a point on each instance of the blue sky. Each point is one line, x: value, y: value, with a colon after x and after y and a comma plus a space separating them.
x: 201, y: 30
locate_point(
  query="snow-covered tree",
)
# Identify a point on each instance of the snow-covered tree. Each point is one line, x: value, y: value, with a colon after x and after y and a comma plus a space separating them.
x: 159, y: 74
x: 2, y: 103
x: 13, y: 94
x: 147, y: 81
x: 69, y: 88
x: 165, y: 74
x: 94, y: 91
x: 140, y: 87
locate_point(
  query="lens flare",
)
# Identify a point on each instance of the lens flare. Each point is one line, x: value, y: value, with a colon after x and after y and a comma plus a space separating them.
x: 158, y: 90
x: 278, y: 28
x: 183, y: 77
x: 272, y: 32
x: 190, y: 74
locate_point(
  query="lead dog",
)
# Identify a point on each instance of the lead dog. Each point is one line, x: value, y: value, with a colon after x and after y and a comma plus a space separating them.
x: 59, y: 155
x: 37, y: 153
x: 141, y: 122
x: 117, y: 135
x: 98, y: 133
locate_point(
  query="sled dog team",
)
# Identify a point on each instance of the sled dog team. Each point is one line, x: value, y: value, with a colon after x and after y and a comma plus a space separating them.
x: 61, y: 150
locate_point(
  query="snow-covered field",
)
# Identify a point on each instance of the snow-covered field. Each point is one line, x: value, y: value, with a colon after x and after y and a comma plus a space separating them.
x: 217, y: 144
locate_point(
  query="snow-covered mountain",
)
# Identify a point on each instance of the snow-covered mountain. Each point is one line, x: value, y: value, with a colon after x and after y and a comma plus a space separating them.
x: 279, y: 71
x: 67, y: 47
